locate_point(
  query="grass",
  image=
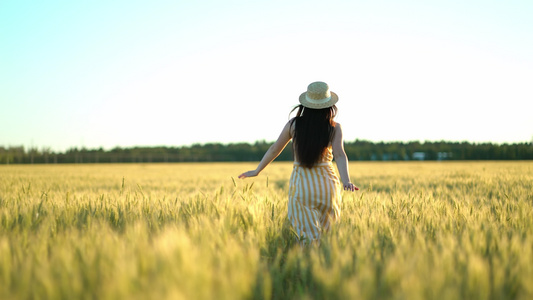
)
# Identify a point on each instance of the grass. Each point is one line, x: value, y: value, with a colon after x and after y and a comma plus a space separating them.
x: 416, y: 230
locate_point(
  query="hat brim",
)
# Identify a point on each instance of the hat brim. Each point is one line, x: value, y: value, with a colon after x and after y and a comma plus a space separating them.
x: 308, y: 104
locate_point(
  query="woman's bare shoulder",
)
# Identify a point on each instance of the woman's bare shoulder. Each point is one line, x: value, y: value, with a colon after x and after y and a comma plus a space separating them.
x: 337, y: 132
x: 292, y: 126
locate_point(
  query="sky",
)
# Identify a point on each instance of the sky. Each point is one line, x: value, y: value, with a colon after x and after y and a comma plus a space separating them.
x: 171, y: 73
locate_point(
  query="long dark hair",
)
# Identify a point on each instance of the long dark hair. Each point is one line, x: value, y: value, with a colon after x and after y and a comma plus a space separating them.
x: 313, y: 132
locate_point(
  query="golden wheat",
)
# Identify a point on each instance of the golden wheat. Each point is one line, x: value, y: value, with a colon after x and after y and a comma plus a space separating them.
x: 416, y: 230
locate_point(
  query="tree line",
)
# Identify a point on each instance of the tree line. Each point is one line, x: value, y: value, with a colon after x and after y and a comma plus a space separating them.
x: 240, y: 152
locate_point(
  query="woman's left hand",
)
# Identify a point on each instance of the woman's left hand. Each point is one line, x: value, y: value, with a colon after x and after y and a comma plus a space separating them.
x: 350, y: 187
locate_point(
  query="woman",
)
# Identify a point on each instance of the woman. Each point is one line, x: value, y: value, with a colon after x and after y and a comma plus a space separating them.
x: 314, y: 190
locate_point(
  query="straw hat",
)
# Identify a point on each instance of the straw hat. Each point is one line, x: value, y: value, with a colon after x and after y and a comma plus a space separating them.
x: 318, y: 96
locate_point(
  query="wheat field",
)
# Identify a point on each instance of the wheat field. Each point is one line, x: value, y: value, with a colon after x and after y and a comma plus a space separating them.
x: 416, y: 230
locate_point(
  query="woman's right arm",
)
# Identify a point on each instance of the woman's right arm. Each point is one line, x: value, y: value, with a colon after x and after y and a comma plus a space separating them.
x: 341, y: 159
x: 272, y: 152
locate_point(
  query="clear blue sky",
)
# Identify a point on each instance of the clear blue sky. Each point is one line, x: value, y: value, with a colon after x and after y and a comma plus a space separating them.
x: 125, y: 73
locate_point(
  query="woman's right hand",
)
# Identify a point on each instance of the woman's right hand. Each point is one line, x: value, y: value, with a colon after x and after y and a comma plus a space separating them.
x: 252, y: 173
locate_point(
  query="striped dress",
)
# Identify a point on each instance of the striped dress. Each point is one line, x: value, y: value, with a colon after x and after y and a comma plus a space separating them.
x: 314, y: 198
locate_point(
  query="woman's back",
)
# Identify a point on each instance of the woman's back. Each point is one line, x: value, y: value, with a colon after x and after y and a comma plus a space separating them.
x: 312, y: 132
x: 325, y: 157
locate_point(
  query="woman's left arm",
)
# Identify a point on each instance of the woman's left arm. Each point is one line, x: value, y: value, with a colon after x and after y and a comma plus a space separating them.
x: 341, y: 159
x: 272, y: 152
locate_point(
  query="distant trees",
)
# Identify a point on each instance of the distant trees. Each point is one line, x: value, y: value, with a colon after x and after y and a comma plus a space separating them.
x: 365, y: 150
x: 217, y: 152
